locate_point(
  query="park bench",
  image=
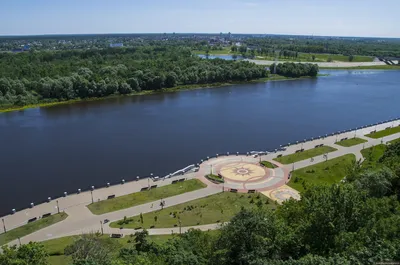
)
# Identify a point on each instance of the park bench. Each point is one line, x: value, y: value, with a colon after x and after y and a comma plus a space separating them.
x: 46, y: 215
x: 111, y: 197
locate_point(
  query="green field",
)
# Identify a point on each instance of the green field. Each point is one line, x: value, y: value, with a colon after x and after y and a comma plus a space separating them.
x: 216, y: 208
x: 394, y: 141
x: 304, y: 155
x: 329, y: 172
x: 31, y: 227
x: 351, y: 142
x: 55, y: 247
x: 142, y: 197
x: 372, y: 155
x: 383, y: 133
x: 268, y: 164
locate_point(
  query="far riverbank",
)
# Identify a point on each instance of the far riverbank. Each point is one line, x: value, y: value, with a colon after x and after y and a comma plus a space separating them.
x: 149, y: 92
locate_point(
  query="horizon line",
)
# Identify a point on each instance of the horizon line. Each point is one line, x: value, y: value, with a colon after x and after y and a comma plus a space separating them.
x: 194, y: 33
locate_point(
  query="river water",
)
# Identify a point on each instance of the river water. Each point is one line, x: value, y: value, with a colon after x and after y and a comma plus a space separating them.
x: 47, y: 151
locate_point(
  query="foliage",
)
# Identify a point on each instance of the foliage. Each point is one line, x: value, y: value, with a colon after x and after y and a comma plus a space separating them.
x: 29, y: 254
x: 48, y: 76
x: 296, y: 69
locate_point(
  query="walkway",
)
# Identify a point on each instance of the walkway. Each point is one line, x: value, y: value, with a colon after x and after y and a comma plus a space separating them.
x: 270, y: 182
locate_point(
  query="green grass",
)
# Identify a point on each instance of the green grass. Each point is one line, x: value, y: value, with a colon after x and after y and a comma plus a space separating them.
x: 383, y: 133
x: 288, y: 159
x: 351, y: 142
x: 55, y: 247
x: 372, y: 155
x: 216, y: 208
x: 31, y: 227
x: 142, y: 197
x: 394, y: 141
x: 215, y: 178
x: 267, y: 164
x: 329, y: 172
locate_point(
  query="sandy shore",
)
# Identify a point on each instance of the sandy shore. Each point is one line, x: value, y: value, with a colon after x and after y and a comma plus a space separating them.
x: 326, y: 64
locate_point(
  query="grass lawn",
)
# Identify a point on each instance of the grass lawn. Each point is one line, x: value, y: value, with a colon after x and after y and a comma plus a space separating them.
x: 304, y: 155
x: 55, y: 247
x: 372, y: 155
x: 142, y: 197
x: 215, y: 178
x: 267, y: 164
x: 394, y: 141
x: 31, y: 227
x: 329, y: 172
x: 351, y: 142
x: 383, y: 133
x: 216, y: 208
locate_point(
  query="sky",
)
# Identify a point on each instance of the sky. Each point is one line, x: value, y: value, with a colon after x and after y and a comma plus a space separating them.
x: 367, y: 18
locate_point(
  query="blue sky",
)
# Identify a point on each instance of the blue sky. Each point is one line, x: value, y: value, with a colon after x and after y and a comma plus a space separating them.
x: 303, y: 17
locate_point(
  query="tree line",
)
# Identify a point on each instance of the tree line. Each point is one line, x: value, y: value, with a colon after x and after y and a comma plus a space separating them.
x: 295, y: 69
x: 30, y: 78
x: 352, y: 222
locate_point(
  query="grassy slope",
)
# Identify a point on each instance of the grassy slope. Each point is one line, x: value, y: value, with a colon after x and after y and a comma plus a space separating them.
x: 219, y: 207
x: 372, y: 155
x: 142, y: 197
x: 55, y: 247
x: 383, y: 133
x: 351, y: 142
x: 331, y: 171
x: 395, y: 141
x: 31, y: 227
x: 268, y: 164
x: 288, y: 159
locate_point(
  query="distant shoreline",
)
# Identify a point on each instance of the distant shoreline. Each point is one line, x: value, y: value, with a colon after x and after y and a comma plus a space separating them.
x: 151, y: 92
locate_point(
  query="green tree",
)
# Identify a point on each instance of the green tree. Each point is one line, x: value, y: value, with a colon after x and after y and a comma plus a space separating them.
x: 29, y: 254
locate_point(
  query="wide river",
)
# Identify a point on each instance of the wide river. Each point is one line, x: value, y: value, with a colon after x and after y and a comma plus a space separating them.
x: 47, y: 151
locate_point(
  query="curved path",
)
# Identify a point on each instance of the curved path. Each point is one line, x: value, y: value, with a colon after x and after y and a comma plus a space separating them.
x: 242, y: 173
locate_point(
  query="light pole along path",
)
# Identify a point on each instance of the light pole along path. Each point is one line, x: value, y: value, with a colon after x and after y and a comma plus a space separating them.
x: 80, y: 220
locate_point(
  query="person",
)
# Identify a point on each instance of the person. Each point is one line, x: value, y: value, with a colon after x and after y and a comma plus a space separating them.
x: 312, y: 159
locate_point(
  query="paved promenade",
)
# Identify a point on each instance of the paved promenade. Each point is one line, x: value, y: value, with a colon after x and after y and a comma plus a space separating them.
x: 270, y: 182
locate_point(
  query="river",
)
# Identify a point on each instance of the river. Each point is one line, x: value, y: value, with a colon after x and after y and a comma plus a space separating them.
x: 47, y: 151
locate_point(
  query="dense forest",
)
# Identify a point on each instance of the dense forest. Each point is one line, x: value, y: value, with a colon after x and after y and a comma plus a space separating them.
x: 295, y: 69
x: 47, y: 76
x: 354, y: 222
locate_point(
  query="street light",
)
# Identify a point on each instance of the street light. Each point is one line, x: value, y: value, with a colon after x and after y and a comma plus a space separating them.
x: 355, y: 133
x: 4, y: 226
x: 91, y: 193
x: 58, y: 208
x: 101, y: 224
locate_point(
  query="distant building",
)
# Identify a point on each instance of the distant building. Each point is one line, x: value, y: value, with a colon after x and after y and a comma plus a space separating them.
x: 113, y: 45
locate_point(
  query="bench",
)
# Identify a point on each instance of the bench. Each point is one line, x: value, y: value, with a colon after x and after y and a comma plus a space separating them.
x: 181, y: 180
x: 46, y: 215
x: 144, y: 189
x: 111, y: 197
x: 234, y: 190
x: 32, y: 220
x: 279, y: 156
x: 116, y: 235
x: 174, y: 181
x: 153, y: 187
x: 251, y: 191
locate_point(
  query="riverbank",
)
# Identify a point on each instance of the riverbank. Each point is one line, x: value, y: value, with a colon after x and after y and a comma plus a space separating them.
x: 150, y: 92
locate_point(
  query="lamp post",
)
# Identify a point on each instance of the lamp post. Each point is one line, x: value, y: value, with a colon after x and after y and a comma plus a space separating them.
x: 91, y: 193
x: 101, y: 225
x: 180, y: 227
x: 4, y: 226
x: 355, y: 133
x: 58, y: 207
